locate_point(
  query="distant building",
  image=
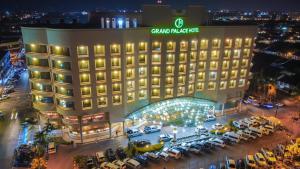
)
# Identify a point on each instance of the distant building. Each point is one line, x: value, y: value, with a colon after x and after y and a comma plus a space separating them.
x: 5, y: 64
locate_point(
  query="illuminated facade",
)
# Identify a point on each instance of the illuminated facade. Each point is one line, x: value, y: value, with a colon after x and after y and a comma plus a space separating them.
x: 93, y: 78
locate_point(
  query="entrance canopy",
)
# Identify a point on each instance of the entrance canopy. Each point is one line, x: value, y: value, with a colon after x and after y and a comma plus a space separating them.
x: 184, y: 111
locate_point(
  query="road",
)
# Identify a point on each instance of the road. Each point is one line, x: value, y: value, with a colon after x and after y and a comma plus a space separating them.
x: 11, y: 133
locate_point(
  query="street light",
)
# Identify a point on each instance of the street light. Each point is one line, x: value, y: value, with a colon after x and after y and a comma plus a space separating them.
x: 174, y: 133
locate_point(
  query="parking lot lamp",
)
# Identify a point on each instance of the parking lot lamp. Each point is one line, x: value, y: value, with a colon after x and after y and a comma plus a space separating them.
x: 174, y: 133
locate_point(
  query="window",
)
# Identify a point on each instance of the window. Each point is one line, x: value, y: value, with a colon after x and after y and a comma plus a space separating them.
x: 130, y: 73
x: 100, y: 63
x: 180, y: 91
x: 201, y: 66
x: 87, y: 104
x: 129, y: 61
x: 130, y: 97
x: 216, y: 43
x: 142, y: 71
x: 65, y: 104
x: 191, y: 89
x: 155, y: 93
x: 143, y: 47
x: 156, y: 46
x: 143, y: 83
x: 181, y: 69
x: 233, y: 74
x: 241, y: 82
x: 115, y: 49
x: 83, y: 65
x: 60, y: 51
x: 211, y: 86
x: 243, y: 72
x: 85, y: 91
x: 169, y: 81
x: 82, y: 51
x: 203, y: 55
x: 246, y: 52
x: 182, y: 57
x: 142, y: 94
x: 248, y: 42
x: 232, y: 83
x: 171, y: 46
x: 170, y: 70
x: 244, y: 63
x: 228, y: 43
x: 61, y: 65
x: 130, y: 85
x: 200, y: 86
x: 223, y: 85
x: 224, y: 75
x: 204, y: 44
x: 84, y: 78
x: 102, y: 102
x: 100, y: 77
x: 192, y: 67
x: 60, y: 90
x: 62, y: 78
x: 192, y: 78
x: 225, y: 65
x: 237, y: 53
x: 116, y: 75
x: 142, y: 59
x: 201, y: 76
x: 116, y: 88
x: 170, y: 59
x: 117, y: 100
x: 193, y: 56
x: 155, y: 70
x: 35, y: 48
x: 169, y: 92
x: 183, y: 46
x: 38, y: 62
x: 227, y: 54
x: 101, y: 90
x: 215, y: 54
x: 194, y: 44
x: 155, y: 59
x: 213, y: 65
x: 99, y: 50
x: 213, y: 76
x: 129, y: 48
x: 116, y: 62
x: 155, y: 82
x: 238, y: 43
x: 235, y: 64
x: 181, y: 80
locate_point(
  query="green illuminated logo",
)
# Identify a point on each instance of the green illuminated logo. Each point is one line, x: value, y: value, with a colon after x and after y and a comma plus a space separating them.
x: 179, y: 29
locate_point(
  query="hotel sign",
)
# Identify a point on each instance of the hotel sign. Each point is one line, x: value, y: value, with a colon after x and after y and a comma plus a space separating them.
x: 177, y: 29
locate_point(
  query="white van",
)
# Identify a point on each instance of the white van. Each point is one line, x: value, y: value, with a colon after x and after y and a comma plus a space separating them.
x: 133, y: 133
x: 232, y: 136
x: 249, y: 133
x: 51, y: 148
x: 256, y: 131
x: 100, y: 157
x: 107, y: 165
x: 174, y: 153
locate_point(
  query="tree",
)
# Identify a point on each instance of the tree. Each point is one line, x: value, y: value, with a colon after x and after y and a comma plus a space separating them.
x: 40, y: 138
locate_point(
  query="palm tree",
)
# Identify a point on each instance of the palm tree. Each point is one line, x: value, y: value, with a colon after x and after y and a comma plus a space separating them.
x: 40, y: 138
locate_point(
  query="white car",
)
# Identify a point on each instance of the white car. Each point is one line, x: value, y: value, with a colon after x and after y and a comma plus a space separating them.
x: 238, y: 125
x: 249, y: 134
x: 133, y: 133
x: 210, y: 117
x: 163, y: 156
x: 201, y: 130
x: 174, y: 153
x: 131, y: 163
x: 218, y: 126
x: 217, y: 142
x: 242, y: 135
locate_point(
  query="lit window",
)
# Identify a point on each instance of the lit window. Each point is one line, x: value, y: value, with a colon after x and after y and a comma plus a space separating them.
x: 156, y: 46
x: 183, y: 46
x: 142, y: 71
x: 130, y: 73
x: 200, y: 86
x: 223, y: 85
x: 225, y: 65
x: 238, y: 43
x: 84, y: 78
x: 129, y: 48
x: 194, y: 44
x: 171, y: 46
x: 182, y: 57
x: 235, y: 64
x: 237, y: 53
x: 117, y: 100
x: 102, y: 102
x: 85, y: 91
x: 213, y: 65
x: 142, y: 94
x: 99, y: 50
x: 155, y: 70
x: 180, y: 91
x: 155, y: 81
x: 143, y: 47
x: 201, y: 66
x: 155, y: 59
x: 212, y: 75
x: 192, y: 78
x: 130, y: 85
x: 241, y: 82
x: 228, y: 43
x: 204, y: 44
x: 115, y: 49
x: 101, y: 90
x: 193, y: 56
x: 248, y: 42
x: 82, y: 51
x: 211, y: 86
x: 87, y: 104
x: 181, y: 80
x: 116, y: 88
x: 129, y: 61
x: 192, y: 67
x: 100, y: 77
x: 100, y: 63
x: 215, y: 54
x: 243, y: 73
x: 244, y: 63
x: 191, y: 89
x: 142, y: 59
x: 224, y: 75
x: 232, y: 83
x: 115, y: 62
x: 181, y: 69
x: 170, y: 59
x: 246, y: 52
x: 143, y: 83
x: 155, y: 93
x: 233, y: 74
x: 116, y: 75
x: 203, y: 55
x: 169, y: 81
x: 216, y: 43
x: 201, y: 76
x: 227, y: 54
x: 83, y: 65
x: 169, y: 92
x: 170, y: 70
x: 130, y: 97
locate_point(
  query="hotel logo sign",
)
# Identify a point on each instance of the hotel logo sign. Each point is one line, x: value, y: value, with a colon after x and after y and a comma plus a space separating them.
x: 178, y: 28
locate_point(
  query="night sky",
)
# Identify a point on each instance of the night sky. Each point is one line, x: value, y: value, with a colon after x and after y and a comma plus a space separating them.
x: 71, y: 5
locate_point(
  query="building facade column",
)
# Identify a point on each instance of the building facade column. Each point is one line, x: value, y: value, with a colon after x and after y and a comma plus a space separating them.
x: 222, y: 111
x: 109, y: 130
x: 80, y: 128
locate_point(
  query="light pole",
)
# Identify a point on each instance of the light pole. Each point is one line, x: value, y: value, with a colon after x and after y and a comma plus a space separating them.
x: 174, y: 134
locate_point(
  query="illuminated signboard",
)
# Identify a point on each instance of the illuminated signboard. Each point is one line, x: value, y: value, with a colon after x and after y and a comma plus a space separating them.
x: 177, y: 29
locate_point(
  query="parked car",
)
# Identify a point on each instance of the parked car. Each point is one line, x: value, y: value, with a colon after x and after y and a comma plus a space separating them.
x: 230, y: 164
x: 174, y: 153
x: 151, y: 129
x: 1, y: 116
x: 100, y: 157
x: 270, y: 128
x: 110, y: 155
x: 210, y: 117
x: 217, y: 142
x: 201, y: 130
x: 133, y: 133
x: 90, y: 162
x: 142, y: 159
x: 279, y: 104
x: 165, y: 137
x: 249, y: 133
x: 232, y: 136
x: 164, y: 156
x: 218, y: 126
x: 121, y: 153
x: 152, y: 156
x: 108, y: 165
x: 256, y: 131
x: 250, y: 162
x: 194, y: 148
x: 267, y: 105
x: 238, y: 125
x: 269, y: 156
x: 260, y: 160
x: 183, y: 150
x: 132, y: 164
x: 242, y: 135
x: 240, y: 164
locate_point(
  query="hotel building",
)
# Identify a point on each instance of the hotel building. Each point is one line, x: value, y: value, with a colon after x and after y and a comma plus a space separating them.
x: 89, y: 79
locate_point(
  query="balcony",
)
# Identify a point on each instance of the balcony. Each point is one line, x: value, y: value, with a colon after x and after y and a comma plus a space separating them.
x: 44, y: 106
